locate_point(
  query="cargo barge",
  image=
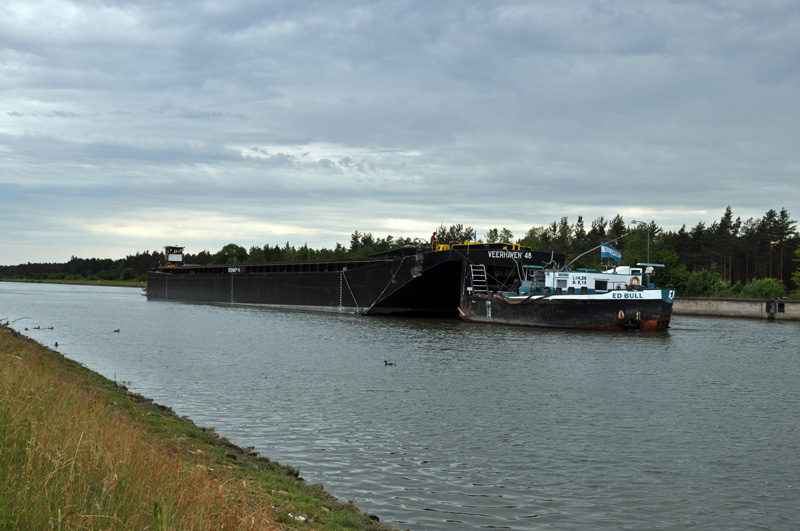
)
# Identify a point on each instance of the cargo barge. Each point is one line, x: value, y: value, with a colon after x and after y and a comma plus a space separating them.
x: 404, y: 282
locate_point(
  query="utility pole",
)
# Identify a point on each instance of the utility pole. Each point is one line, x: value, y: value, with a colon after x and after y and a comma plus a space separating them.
x: 648, y: 236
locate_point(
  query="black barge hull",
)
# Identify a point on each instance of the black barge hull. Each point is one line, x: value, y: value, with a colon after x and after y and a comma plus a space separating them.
x: 612, y: 311
x: 408, y: 282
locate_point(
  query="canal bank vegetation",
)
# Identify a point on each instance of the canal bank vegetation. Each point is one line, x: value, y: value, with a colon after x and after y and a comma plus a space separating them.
x: 78, y: 451
x: 83, y: 282
x: 730, y: 258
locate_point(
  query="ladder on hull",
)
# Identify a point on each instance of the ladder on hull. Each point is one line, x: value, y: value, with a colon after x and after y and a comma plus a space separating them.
x: 479, y: 279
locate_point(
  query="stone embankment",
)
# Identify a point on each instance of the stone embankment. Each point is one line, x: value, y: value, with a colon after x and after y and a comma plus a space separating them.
x: 778, y: 310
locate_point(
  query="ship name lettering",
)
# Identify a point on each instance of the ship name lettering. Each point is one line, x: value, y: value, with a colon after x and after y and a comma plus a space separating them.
x: 628, y: 295
x: 506, y: 254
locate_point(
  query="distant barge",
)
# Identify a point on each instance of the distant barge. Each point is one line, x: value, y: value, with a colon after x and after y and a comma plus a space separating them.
x: 404, y: 282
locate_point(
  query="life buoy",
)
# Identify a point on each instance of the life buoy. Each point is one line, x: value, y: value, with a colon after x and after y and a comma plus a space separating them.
x: 634, y: 281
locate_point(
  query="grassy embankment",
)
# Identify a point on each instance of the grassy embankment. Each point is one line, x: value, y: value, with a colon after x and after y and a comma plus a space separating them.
x: 78, y: 451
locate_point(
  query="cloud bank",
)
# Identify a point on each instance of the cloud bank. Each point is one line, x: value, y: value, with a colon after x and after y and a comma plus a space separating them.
x: 127, y: 126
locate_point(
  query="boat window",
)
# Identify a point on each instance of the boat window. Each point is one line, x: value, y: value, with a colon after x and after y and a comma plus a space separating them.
x: 561, y: 282
x: 601, y: 285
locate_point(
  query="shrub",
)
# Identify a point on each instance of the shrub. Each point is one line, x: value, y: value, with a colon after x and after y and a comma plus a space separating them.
x: 128, y: 274
x: 706, y: 283
x: 765, y: 288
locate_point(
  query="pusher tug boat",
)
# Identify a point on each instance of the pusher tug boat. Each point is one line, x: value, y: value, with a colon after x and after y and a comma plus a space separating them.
x: 619, y: 298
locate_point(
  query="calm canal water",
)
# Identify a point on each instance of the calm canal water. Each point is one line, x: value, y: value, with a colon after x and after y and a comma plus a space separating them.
x: 476, y: 426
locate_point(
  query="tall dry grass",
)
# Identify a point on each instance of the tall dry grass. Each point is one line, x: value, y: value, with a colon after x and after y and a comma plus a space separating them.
x: 73, y: 455
x: 71, y: 458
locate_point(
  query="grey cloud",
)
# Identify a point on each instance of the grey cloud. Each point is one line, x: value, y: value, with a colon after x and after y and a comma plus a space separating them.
x: 512, y: 113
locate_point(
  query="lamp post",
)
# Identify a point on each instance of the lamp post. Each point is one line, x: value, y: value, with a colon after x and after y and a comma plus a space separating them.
x: 648, y: 236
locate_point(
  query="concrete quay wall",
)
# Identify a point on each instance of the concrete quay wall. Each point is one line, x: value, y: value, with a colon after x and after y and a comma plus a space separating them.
x: 750, y: 309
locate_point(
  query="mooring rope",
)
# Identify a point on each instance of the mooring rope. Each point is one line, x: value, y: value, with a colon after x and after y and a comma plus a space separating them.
x: 358, y: 307
x: 391, y: 280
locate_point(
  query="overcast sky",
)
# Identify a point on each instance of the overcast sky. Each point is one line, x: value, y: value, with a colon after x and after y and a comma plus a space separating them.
x: 129, y: 125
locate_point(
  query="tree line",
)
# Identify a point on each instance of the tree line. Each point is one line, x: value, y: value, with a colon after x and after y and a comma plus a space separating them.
x: 731, y: 257
x: 752, y: 258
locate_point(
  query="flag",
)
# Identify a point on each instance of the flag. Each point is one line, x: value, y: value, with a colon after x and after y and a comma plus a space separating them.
x: 606, y: 251
x: 475, y: 236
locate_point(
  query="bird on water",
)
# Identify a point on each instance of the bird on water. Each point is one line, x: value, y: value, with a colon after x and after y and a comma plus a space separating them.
x: 388, y: 364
